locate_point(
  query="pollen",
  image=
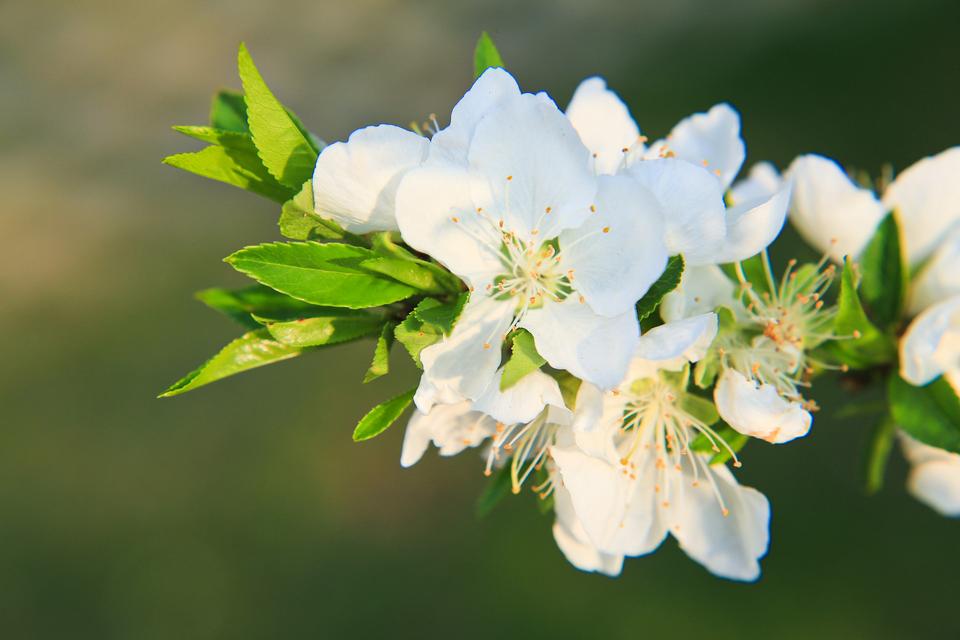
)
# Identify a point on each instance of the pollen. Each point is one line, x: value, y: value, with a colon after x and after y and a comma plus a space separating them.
x: 593, y: 208
x: 486, y: 345
x: 606, y: 229
x: 455, y: 219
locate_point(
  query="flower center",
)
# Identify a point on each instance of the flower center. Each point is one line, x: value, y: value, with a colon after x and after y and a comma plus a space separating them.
x: 533, y: 274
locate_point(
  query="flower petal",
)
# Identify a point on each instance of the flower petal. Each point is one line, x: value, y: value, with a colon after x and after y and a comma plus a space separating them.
x: 692, y: 203
x: 572, y: 540
x: 451, y: 427
x: 493, y: 87
x: 603, y: 122
x: 701, y: 289
x: 711, y: 140
x: 730, y: 545
x: 937, y: 485
x: 679, y: 342
x: 463, y: 364
x: 523, y: 401
x: 927, y: 196
x: 939, y: 278
x: 753, y: 225
x: 762, y: 182
x: 570, y: 336
x: 931, y: 345
x: 533, y: 170
x: 831, y: 213
x: 759, y: 411
x: 437, y: 216
x: 618, y: 252
x: 355, y: 182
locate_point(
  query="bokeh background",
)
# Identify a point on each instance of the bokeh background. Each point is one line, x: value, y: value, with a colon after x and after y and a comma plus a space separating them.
x: 244, y: 510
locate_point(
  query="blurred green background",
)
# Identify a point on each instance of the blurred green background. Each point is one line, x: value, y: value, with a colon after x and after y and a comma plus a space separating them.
x: 244, y: 510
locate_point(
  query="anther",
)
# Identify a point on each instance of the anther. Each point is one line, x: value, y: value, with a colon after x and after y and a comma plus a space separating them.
x: 606, y: 229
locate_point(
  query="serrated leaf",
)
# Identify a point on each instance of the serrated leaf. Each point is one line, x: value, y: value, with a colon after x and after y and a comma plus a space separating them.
x: 442, y: 315
x: 237, y: 164
x: 242, y: 304
x: 524, y: 360
x: 228, y: 111
x: 930, y: 413
x: 485, y: 55
x: 382, y: 416
x: 252, y: 350
x: 299, y: 221
x: 667, y: 282
x: 497, y: 488
x: 322, y: 326
x: 381, y: 354
x: 878, y: 450
x: 322, y: 274
x: 285, y: 148
x: 884, y: 273
x: 872, y: 347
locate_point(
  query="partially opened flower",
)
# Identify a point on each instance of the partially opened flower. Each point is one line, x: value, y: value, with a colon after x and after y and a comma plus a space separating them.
x: 638, y: 465
x: 836, y: 216
x: 507, y: 201
x: 931, y: 346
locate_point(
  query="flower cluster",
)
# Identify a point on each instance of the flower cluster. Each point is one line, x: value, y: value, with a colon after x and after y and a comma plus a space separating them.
x: 594, y: 311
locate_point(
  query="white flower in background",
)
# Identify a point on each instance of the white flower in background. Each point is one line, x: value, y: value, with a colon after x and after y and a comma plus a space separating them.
x: 838, y: 217
x: 934, y: 476
x: 632, y: 474
x: 931, y: 346
x: 355, y: 182
x: 507, y: 201
x: 689, y: 172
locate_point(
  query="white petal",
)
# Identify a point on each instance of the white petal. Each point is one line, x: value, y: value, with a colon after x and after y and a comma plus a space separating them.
x: 678, y: 342
x: 692, y: 203
x: 710, y: 140
x: 762, y: 182
x: 355, y: 182
x: 619, y: 251
x: 603, y: 122
x: 937, y: 485
x: 572, y: 540
x: 437, y: 216
x: 940, y: 277
x: 462, y: 364
x: 759, y: 411
x: 523, y: 401
x: 701, y: 289
x: 831, y: 213
x: 753, y: 225
x: 534, y: 171
x: 491, y: 89
x: 927, y: 195
x: 570, y: 336
x: 931, y: 345
x: 728, y: 546
x: 451, y: 427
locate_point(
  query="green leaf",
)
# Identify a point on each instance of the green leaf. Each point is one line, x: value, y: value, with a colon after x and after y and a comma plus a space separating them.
x: 322, y: 326
x: 569, y: 387
x: 877, y: 453
x: 287, y: 150
x: 436, y: 276
x: 381, y: 354
x: 299, y: 221
x: 524, y: 360
x: 229, y: 111
x: 405, y: 271
x: 931, y: 413
x: 253, y: 349
x: 734, y: 439
x: 867, y: 345
x: 485, y: 55
x: 429, y: 321
x: 382, y: 416
x: 234, y: 161
x: 700, y: 408
x: 498, y: 487
x: 322, y: 274
x: 884, y: 273
x: 667, y: 282
x: 242, y: 304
